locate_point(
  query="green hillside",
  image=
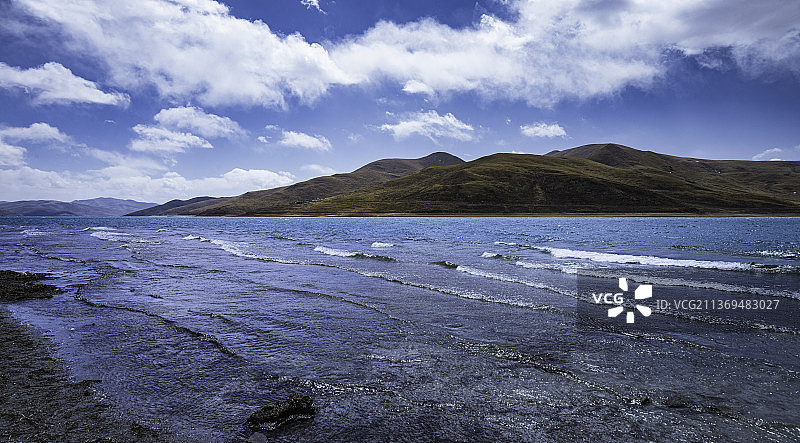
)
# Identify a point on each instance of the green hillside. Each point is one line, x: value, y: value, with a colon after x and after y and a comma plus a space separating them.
x: 563, y: 182
x: 286, y: 198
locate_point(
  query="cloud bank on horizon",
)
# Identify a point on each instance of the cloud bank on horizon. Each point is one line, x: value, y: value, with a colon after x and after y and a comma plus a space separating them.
x: 194, y: 83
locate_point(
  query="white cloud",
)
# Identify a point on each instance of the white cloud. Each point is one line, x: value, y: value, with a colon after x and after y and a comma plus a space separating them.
x: 549, y: 51
x: 417, y: 87
x: 118, y: 159
x: 53, y: 83
x: 318, y: 169
x: 541, y: 129
x: 196, y: 120
x: 355, y: 138
x: 769, y: 154
x: 312, y: 4
x: 262, y: 139
x: 194, y: 49
x: 432, y: 125
x: 161, y: 140
x: 561, y: 49
x: 36, y: 132
x: 301, y: 140
x: 11, y: 155
x: 128, y: 182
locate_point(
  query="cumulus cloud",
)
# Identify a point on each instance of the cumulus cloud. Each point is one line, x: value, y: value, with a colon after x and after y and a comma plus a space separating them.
x: 196, y: 120
x: 542, y: 129
x: 417, y: 87
x: 128, y: 182
x: 554, y: 49
x: 53, y: 83
x: 301, y: 140
x: 544, y: 52
x: 165, y: 141
x: 769, y: 154
x: 194, y: 49
x: 312, y: 4
x: 11, y: 155
x: 318, y: 169
x: 431, y: 125
x: 36, y: 132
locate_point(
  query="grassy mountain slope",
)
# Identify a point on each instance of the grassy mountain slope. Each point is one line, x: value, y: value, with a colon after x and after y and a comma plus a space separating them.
x: 520, y: 183
x: 283, y: 199
x: 780, y: 179
x: 173, y: 205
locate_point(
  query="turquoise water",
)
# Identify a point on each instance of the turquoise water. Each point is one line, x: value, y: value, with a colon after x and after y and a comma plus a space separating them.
x: 423, y: 328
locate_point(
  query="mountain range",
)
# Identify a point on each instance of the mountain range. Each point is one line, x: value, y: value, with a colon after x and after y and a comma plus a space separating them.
x: 97, y: 207
x: 590, y: 179
x: 278, y: 201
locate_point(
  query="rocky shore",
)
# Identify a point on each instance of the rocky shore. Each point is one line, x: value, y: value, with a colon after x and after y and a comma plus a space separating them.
x: 39, y: 401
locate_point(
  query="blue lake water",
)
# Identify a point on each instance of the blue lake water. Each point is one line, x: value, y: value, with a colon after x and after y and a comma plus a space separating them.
x: 423, y: 328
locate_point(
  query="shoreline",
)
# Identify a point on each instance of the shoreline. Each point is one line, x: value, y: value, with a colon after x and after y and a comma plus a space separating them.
x: 40, y: 402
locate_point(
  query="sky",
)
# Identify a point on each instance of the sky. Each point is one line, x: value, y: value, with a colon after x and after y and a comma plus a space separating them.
x: 160, y: 99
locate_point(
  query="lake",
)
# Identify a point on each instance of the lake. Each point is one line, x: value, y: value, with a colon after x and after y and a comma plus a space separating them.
x: 427, y: 328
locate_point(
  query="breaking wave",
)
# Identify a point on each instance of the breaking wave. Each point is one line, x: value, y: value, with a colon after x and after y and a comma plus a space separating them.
x: 343, y: 253
x: 649, y: 260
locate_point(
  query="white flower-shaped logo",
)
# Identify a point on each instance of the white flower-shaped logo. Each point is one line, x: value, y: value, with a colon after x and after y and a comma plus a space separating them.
x: 641, y: 293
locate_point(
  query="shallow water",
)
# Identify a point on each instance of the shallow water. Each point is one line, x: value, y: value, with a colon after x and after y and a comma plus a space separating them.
x: 423, y: 328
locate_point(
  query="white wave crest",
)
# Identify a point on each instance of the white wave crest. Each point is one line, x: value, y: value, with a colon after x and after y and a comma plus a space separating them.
x: 33, y: 233
x: 509, y: 279
x: 566, y: 269
x: 111, y: 236
x: 335, y: 252
x: 378, y: 244
x: 607, y: 257
x: 780, y: 254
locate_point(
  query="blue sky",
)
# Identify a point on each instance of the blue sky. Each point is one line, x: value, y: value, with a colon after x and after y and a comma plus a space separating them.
x: 162, y: 99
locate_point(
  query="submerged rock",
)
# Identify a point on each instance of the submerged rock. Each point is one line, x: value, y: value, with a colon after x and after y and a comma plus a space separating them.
x: 16, y: 286
x: 297, y: 407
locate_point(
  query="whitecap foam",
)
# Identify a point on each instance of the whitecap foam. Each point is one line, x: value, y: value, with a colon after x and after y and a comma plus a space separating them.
x: 649, y: 260
x: 118, y: 237
x: 509, y: 279
x: 344, y: 253
x: 110, y: 236
x: 716, y: 286
x: 491, y: 255
x: 237, y: 250
x: 378, y: 244
x: 101, y: 228
x: 779, y: 254
x: 33, y: 233
x: 467, y: 294
x: 566, y: 269
x: 335, y: 252
x: 508, y: 243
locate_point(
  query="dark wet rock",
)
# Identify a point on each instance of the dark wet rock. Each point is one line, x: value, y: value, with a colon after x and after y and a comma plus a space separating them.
x: 15, y: 286
x: 297, y: 407
x: 676, y: 401
x: 257, y: 437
